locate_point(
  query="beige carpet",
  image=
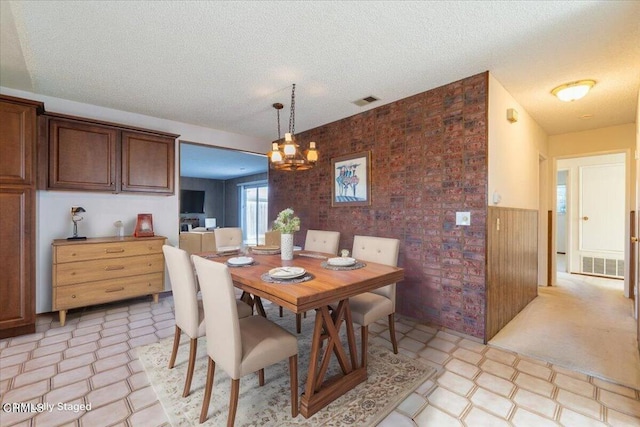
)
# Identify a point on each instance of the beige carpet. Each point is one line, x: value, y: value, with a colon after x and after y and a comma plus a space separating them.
x: 584, y: 323
x: 390, y: 379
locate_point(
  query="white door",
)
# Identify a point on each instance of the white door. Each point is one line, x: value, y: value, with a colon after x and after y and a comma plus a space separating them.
x: 601, y: 217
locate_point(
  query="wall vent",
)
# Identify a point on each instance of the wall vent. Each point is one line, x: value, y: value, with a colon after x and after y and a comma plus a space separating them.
x: 603, y: 266
x: 366, y: 101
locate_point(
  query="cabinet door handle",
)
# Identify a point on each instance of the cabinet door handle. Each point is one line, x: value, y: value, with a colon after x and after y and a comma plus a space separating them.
x: 115, y: 290
x: 114, y: 267
x: 114, y: 251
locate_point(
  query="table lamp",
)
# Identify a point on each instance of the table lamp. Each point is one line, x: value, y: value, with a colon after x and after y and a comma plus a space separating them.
x: 76, y: 218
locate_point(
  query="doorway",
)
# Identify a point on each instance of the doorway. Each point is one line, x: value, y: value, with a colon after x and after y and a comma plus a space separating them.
x: 254, y: 211
x: 590, y: 215
x: 220, y: 174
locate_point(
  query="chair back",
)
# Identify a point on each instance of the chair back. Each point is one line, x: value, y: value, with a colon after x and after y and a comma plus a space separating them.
x: 322, y: 241
x: 272, y: 238
x: 228, y: 237
x: 224, y: 345
x: 184, y: 288
x: 381, y: 250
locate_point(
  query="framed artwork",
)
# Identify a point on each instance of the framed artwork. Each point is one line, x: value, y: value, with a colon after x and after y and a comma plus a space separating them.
x: 144, y: 226
x: 351, y: 180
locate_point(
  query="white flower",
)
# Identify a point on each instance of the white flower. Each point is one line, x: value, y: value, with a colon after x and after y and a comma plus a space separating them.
x: 287, y: 222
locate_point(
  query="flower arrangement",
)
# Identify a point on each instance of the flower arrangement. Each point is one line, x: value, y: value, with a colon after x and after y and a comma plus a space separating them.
x: 286, y: 222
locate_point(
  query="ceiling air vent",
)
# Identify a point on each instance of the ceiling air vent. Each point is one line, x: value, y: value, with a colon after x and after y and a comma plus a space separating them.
x: 365, y: 101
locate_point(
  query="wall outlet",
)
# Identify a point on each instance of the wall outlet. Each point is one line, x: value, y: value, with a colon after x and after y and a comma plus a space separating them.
x: 463, y: 218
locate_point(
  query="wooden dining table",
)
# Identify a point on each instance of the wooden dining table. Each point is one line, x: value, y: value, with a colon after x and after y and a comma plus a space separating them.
x: 326, y: 288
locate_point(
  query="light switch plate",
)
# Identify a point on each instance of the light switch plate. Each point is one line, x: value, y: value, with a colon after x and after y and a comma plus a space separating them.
x: 463, y: 218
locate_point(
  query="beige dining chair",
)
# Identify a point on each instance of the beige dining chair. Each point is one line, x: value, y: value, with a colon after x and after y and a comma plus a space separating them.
x: 272, y: 238
x: 322, y: 241
x: 370, y: 306
x: 189, y: 314
x: 228, y: 238
x: 318, y: 241
x: 239, y: 346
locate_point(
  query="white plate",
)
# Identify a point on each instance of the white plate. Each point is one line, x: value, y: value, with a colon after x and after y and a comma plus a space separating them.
x: 341, y: 261
x: 286, y: 272
x: 241, y: 260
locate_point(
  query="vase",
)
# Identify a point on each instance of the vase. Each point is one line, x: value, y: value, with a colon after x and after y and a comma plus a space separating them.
x: 286, y: 246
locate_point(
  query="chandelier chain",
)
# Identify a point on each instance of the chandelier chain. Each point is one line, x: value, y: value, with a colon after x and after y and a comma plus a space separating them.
x: 278, y: 111
x: 292, y: 116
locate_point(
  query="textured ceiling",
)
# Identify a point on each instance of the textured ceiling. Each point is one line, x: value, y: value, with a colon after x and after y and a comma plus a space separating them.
x: 222, y: 64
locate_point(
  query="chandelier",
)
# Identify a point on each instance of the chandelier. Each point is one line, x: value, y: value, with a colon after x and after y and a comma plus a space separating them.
x: 287, y: 156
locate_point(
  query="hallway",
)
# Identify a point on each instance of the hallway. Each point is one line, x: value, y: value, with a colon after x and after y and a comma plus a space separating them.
x: 584, y: 323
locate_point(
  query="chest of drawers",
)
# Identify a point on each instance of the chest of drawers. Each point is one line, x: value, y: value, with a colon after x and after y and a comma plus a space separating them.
x: 100, y: 270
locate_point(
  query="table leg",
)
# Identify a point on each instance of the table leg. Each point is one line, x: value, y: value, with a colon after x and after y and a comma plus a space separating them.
x: 318, y: 391
x: 259, y: 306
x: 253, y: 301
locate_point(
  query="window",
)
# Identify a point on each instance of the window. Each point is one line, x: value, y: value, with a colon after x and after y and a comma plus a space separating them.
x: 562, y: 198
x: 254, y: 211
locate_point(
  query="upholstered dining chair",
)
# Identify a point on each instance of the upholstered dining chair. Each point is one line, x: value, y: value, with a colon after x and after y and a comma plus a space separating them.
x: 318, y: 241
x: 272, y: 238
x: 239, y: 346
x: 228, y: 238
x: 322, y: 241
x: 189, y: 314
x: 370, y: 306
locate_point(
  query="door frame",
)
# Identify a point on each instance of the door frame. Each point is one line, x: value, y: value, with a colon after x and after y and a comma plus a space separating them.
x: 628, y: 292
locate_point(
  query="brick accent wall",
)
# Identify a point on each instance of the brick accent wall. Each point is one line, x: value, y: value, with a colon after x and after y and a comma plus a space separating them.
x: 429, y: 160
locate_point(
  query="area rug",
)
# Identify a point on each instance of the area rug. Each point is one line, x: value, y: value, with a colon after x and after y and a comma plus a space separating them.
x: 391, y: 378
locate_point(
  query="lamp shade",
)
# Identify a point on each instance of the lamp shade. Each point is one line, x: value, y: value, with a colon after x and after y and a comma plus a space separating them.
x: 573, y: 91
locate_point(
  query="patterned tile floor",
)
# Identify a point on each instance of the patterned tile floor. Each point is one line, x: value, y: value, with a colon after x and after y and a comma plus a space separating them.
x: 92, y: 361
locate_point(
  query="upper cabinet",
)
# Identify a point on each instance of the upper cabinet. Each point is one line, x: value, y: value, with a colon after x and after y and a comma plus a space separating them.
x: 17, y: 139
x: 82, y: 156
x: 147, y: 163
x: 87, y: 155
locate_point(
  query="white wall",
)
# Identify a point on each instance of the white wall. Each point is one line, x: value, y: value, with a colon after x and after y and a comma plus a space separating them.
x: 53, y: 207
x: 518, y: 165
x: 514, y: 151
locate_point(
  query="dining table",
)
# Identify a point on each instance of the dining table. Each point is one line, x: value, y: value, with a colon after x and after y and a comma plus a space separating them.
x: 325, y: 289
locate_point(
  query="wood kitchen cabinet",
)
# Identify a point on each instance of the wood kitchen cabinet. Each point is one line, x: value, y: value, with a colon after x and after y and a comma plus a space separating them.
x: 100, y: 270
x: 82, y: 156
x: 18, y: 133
x: 147, y: 163
x: 88, y: 155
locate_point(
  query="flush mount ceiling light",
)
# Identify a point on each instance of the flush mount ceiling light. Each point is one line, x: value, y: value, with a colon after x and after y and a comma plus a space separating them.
x: 287, y: 156
x: 574, y: 90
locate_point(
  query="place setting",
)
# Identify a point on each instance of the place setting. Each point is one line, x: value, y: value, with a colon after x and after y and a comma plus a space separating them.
x: 284, y: 275
x: 265, y: 250
x: 240, y: 261
x: 342, y: 263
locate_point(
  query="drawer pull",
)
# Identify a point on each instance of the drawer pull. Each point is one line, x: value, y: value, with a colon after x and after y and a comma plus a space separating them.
x: 73, y: 296
x: 115, y: 290
x: 114, y: 267
x: 114, y: 251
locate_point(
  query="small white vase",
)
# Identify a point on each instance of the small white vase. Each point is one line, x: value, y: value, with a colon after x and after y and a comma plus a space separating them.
x: 286, y: 246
